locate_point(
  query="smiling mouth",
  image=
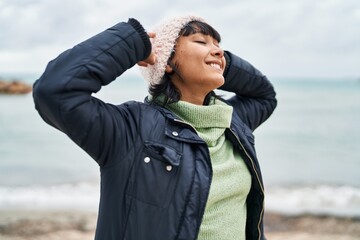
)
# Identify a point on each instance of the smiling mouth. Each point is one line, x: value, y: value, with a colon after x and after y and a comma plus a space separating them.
x: 215, y: 65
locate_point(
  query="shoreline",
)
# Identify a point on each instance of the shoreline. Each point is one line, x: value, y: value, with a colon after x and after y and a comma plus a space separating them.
x: 80, y: 225
x: 311, y: 226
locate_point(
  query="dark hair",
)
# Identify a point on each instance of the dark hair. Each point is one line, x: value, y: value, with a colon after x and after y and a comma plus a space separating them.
x: 165, y: 86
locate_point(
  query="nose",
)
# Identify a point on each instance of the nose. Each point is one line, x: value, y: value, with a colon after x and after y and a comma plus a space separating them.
x: 217, y: 51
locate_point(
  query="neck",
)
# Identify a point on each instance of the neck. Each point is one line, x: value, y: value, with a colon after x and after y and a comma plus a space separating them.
x: 194, y: 99
x: 192, y: 94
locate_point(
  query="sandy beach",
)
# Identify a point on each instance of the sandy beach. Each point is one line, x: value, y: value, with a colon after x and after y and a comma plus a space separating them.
x: 42, y: 225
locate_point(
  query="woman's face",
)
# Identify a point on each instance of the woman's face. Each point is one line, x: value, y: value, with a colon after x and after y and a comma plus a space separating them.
x: 200, y: 66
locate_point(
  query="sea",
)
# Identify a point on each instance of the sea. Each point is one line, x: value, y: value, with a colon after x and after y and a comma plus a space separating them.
x: 309, y: 150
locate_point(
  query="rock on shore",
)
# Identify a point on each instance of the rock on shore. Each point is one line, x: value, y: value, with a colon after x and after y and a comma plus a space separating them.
x: 14, y: 87
x: 81, y: 226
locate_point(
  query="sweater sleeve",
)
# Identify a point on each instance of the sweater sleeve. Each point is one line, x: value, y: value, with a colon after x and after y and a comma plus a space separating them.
x: 63, y: 94
x: 255, y: 97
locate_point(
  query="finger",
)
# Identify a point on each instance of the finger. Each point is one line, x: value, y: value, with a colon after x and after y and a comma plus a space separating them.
x: 142, y: 64
x: 151, y: 34
x: 152, y: 59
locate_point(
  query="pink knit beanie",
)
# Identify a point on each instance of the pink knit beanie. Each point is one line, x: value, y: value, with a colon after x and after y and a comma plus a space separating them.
x: 163, y: 45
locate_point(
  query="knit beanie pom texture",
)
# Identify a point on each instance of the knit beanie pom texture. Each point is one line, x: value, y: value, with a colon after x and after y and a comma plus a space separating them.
x: 163, y: 45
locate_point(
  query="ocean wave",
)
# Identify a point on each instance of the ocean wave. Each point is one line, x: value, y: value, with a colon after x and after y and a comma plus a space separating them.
x: 319, y: 199
x: 83, y: 196
x: 294, y: 200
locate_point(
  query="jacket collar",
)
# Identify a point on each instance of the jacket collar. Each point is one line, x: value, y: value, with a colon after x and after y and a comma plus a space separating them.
x: 176, y: 129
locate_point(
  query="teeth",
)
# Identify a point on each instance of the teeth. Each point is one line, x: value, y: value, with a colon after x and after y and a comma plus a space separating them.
x: 215, y: 65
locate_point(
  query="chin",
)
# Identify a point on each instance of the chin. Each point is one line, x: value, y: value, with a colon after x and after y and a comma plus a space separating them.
x: 220, y: 82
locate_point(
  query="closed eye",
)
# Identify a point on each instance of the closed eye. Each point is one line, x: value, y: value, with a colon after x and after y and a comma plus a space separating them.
x: 201, y: 42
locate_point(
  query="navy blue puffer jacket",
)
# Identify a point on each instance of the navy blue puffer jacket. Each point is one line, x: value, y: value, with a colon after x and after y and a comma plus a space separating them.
x: 155, y: 170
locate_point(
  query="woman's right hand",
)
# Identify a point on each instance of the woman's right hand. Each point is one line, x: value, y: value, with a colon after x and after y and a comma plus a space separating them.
x: 152, y: 57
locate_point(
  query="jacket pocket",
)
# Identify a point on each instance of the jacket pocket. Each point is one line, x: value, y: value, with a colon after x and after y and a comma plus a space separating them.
x: 156, y: 174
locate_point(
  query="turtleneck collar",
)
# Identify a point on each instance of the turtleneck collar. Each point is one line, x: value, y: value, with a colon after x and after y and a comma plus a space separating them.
x: 215, y: 115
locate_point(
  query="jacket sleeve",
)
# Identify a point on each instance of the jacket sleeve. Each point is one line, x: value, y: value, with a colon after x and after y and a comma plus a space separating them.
x: 63, y: 94
x: 254, y: 99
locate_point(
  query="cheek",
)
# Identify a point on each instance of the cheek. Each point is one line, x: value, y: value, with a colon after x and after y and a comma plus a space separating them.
x: 185, y: 56
x: 186, y: 61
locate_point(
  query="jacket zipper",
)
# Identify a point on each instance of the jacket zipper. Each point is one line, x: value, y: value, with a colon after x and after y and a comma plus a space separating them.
x: 257, y: 177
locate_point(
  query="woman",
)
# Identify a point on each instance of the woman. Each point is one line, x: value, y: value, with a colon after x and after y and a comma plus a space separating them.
x: 181, y: 165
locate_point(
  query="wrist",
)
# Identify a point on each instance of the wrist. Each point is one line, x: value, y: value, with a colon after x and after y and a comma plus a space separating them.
x: 144, y: 36
x: 228, y: 62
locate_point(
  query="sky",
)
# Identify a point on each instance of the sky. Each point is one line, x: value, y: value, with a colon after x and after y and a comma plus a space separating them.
x: 282, y: 38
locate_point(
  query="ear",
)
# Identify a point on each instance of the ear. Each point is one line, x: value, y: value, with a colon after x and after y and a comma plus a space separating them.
x: 168, y: 69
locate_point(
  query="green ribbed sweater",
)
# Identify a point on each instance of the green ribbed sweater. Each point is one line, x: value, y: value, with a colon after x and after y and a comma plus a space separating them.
x: 225, y: 212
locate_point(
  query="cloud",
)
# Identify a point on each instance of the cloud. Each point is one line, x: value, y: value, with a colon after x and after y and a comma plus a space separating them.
x: 282, y: 38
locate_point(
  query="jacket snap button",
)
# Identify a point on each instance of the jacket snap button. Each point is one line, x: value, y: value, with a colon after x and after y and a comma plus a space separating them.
x: 168, y: 168
x: 175, y: 134
x: 146, y: 159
